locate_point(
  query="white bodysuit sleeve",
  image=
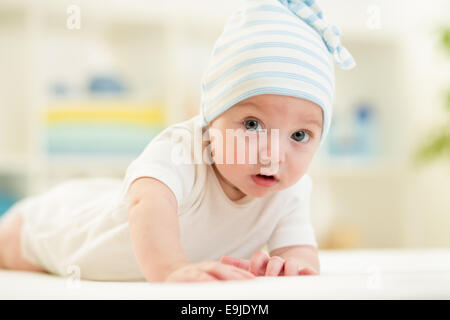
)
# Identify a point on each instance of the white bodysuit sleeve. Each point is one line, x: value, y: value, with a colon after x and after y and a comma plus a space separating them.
x: 294, y: 226
x: 159, y: 160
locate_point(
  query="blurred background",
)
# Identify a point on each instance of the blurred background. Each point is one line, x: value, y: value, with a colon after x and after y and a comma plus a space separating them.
x: 85, y: 85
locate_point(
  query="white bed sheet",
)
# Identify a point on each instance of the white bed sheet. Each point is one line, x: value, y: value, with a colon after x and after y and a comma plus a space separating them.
x: 347, y: 274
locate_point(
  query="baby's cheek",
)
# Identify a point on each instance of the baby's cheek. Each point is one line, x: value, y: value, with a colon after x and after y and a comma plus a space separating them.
x: 295, y: 173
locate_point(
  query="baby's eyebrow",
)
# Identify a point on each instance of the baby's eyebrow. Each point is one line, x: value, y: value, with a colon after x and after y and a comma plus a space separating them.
x: 314, y: 122
x: 249, y: 103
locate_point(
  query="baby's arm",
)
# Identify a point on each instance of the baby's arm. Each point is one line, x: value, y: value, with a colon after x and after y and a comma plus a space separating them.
x: 155, y: 236
x: 153, y: 228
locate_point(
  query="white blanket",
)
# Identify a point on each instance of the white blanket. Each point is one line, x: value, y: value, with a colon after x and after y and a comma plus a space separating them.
x: 349, y: 274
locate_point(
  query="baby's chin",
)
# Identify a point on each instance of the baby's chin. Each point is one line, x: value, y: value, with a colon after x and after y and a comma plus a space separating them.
x: 260, y: 194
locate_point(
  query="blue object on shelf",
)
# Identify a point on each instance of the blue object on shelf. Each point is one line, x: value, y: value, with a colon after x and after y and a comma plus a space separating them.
x: 101, y: 84
x: 95, y: 139
x: 6, y: 201
x: 60, y: 89
x: 366, y: 131
x: 341, y: 140
x: 354, y: 135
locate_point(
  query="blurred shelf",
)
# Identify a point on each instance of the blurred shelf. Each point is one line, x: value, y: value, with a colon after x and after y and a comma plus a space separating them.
x: 391, y: 37
x: 103, y: 101
x: 103, y: 110
x: 135, y: 12
x: 69, y: 162
x: 21, y: 165
x: 13, y: 164
x: 358, y: 169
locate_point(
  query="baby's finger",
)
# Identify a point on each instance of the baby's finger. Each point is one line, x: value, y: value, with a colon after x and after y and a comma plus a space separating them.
x: 226, y: 272
x: 198, y: 277
x: 237, y: 262
x: 245, y: 273
x: 206, y: 277
x: 258, y: 263
x: 291, y: 267
x: 307, y: 271
x: 192, y: 276
x: 274, y: 266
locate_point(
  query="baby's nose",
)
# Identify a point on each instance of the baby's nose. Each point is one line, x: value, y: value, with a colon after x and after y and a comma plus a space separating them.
x: 272, y: 154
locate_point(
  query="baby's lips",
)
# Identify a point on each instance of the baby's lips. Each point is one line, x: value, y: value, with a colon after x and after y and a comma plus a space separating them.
x: 271, y: 176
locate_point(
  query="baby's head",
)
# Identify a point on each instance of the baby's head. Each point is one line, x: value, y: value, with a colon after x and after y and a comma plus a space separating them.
x: 271, y: 69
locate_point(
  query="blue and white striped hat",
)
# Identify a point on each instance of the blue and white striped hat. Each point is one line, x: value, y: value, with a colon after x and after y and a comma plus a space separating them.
x: 274, y: 47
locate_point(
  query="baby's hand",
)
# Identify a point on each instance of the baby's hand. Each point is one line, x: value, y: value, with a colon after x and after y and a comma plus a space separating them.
x: 261, y: 264
x: 207, y: 271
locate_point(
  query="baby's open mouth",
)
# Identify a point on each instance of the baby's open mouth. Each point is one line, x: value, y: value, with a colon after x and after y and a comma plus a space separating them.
x: 266, y: 177
x: 264, y: 180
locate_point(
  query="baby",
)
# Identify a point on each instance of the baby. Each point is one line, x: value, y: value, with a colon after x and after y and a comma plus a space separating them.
x: 195, y: 205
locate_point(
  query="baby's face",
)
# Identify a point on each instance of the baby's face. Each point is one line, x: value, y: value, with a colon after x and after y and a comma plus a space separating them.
x: 286, y: 153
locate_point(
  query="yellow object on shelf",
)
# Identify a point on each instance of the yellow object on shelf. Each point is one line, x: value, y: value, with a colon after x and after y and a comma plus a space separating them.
x: 132, y: 113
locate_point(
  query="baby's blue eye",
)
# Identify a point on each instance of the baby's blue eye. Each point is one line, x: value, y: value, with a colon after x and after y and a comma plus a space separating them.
x: 300, y: 135
x: 252, y: 125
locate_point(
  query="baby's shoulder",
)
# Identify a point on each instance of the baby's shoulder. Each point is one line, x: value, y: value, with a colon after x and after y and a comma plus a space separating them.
x: 190, y: 127
x: 186, y: 135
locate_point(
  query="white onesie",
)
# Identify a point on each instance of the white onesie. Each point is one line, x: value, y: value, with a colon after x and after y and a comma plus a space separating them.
x: 82, y: 224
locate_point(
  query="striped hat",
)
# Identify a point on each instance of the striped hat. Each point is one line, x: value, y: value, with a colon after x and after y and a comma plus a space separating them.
x: 280, y: 47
